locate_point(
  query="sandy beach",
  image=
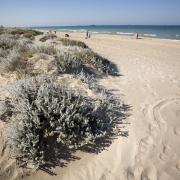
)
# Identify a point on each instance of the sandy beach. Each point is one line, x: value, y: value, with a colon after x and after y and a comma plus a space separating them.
x: 150, y: 84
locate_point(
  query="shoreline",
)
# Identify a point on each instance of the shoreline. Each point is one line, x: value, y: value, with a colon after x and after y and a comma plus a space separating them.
x: 116, y: 35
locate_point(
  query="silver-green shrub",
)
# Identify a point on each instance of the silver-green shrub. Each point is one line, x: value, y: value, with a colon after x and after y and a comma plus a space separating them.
x: 41, y: 108
x: 70, y: 42
x: 47, y: 37
x: 10, y: 61
x: 47, y: 49
x: 66, y: 62
x: 87, y: 56
x: 86, y: 79
x: 9, y: 42
x: 12, y: 51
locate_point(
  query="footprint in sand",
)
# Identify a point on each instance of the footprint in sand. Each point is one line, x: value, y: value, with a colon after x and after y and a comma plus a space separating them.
x: 153, y: 130
x: 164, y: 122
x: 140, y: 172
x: 178, y: 166
x: 135, y: 172
x: 177, y: 131
x: 167, y: 112
x: 167, y: 153
x: 149, y: 173
x: 106, y: 175
x: 145, y: 109
x: 145, y: 144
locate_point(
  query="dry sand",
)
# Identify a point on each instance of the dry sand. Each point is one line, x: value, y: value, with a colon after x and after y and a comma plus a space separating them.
x: 150, y: 83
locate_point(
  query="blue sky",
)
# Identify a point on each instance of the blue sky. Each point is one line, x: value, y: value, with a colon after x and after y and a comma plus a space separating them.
x: 87, y: 12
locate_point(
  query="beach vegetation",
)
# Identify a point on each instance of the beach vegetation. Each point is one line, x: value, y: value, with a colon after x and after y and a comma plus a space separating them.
x: 67, y: 63
x: 42, y: 108
x: 47, y: 37
x: 27, y: 33
x: 94, y: 60
x: 13, y: 53
x: 47, y: 49
x: 70, y: 42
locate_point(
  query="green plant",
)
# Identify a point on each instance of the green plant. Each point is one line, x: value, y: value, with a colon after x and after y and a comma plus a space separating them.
x: 13, y: 52
x: 28, y: 33
x: 7, y: 42
x: 47, y: 49
x: 41, y: 108
x: 87, y: 56
x: 10, y: 62
x: 46, y: 37
x: 69, y: 42
x: 66, y: 62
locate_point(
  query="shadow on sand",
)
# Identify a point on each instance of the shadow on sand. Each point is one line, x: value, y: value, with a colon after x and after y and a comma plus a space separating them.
x: 58, y: 155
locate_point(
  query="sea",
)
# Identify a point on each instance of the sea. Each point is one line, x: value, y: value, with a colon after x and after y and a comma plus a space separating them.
x: 163, y: 32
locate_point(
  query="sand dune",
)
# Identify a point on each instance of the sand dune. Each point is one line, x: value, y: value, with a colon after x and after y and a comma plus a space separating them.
x: 150, y: 83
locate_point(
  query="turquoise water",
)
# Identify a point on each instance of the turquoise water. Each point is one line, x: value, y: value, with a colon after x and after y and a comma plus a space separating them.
x: 164, y: 32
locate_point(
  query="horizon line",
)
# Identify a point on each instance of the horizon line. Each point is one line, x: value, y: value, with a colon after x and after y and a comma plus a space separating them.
x: 90, y: 25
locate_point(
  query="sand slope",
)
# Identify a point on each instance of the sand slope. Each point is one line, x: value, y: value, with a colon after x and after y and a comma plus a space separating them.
x: 150, y: 83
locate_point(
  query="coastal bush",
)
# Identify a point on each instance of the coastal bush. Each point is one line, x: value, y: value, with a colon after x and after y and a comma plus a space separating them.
x: 69, y: 42
x: 6, y: 42
x: 42, y: 108
x: 102, y: 65
x: 66, y: 62
x: 13, y: 52
x: 46, y: 37
x: 10, y: 62
x: 86, y: 79
x: 10, y: 42
x: 90, y: 60
x: 68, y: 58
x: 47, y: 49
x: 28, y: 33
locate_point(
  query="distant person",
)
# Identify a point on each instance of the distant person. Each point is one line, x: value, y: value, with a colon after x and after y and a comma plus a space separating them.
x: 87, y: 34
x: 137, y: 36
x: 54, y: 32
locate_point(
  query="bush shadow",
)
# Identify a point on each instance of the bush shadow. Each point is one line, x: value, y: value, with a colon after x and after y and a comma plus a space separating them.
x: 58, y: 155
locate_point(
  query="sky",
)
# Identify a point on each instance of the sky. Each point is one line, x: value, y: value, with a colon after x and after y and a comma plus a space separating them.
x: 89, y: 12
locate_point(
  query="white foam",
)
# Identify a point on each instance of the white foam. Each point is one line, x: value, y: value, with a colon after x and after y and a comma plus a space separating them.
x: 124, y: 33
x: 95, y: 32
x: 150, y: 35
x: 83, y: 30
x: 106, y: 32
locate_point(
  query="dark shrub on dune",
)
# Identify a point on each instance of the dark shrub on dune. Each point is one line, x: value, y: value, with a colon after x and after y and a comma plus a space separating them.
x: 99, y: 63
x: 67, y: 63
x: 46, y: 37
x: 13, y: 52
x: 69, y: 42
x: 28, y: 33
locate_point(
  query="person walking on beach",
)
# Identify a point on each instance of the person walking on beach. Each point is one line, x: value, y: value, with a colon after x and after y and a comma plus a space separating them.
x: 87, y: 34
x: 137, y: 36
